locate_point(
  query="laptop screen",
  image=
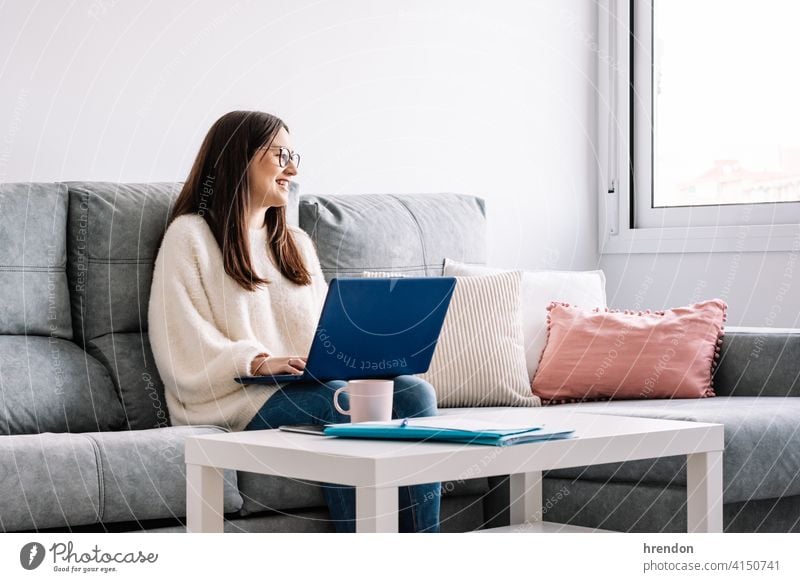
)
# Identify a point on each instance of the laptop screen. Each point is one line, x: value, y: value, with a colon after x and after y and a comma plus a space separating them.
x: 379, y: 327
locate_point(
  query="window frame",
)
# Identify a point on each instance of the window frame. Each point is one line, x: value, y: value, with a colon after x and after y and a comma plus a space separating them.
x: 620, y: 107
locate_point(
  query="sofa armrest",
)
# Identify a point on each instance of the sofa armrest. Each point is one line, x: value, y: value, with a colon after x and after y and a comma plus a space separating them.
x: 759, y: 361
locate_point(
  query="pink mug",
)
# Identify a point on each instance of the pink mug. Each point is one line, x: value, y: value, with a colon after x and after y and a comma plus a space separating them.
x: 369, y: 400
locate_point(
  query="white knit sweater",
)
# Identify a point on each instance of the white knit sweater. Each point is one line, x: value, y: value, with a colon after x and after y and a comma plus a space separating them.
x: 205, y: 329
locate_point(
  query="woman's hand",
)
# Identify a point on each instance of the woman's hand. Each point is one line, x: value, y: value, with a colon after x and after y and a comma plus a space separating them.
x: 271, y: 365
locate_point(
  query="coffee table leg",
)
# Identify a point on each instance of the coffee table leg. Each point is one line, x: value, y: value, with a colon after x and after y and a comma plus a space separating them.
x: 376, y: 509
x: 525, y: 497
x: 204, y: 509
x: 704, y: 492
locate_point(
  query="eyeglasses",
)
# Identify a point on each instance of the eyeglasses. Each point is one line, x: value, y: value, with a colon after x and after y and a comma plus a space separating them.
x: 285, y: 155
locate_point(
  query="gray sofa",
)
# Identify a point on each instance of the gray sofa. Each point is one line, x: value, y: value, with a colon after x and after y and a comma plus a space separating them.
x: 757, y: 384
x: 85, y: 438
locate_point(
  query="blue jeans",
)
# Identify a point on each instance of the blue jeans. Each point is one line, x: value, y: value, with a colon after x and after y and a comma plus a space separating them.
x: 312, y: 403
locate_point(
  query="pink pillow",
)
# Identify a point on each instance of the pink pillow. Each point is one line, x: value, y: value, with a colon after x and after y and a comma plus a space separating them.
x: 602, y: 354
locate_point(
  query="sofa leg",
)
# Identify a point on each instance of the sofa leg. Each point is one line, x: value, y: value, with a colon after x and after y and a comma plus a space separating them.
x: 704, y: 492
x: 204, y: 501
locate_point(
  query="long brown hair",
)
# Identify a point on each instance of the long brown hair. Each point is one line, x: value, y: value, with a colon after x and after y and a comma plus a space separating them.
x: 217, y: 189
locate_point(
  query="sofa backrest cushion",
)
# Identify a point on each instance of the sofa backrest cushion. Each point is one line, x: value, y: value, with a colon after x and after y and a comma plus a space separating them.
x: 113, y: 233
x: 33, y: 260
x: 759, y: 362
x: 129, y: 360
x: 405, y: 233
x: 51, y: 385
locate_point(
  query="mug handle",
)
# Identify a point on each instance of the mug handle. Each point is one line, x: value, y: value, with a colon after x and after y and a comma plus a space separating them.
x: 336, y: 400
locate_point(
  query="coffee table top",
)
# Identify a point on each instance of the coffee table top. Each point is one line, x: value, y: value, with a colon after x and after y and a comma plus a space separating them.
x: 598, y: 438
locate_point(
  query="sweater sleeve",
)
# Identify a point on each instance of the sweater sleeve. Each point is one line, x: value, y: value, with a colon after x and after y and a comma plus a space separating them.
x: 191, y: 352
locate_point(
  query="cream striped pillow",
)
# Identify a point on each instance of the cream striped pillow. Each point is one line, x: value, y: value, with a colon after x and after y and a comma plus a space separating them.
x: 480, y: 357
x: 381, y: 274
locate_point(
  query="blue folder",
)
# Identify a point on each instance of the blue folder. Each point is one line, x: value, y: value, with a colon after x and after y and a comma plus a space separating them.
x: 449, y: 430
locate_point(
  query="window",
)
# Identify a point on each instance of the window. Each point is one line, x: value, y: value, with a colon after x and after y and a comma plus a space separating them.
x: 700, y: 125
x: 725, y: 101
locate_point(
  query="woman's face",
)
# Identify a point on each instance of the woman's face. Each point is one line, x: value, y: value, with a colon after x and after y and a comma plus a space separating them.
x: 269, y: 183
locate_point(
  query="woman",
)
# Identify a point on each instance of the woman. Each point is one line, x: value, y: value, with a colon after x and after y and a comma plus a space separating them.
x: 238, y: 291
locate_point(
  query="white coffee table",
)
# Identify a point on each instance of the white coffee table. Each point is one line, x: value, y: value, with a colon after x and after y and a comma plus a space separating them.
x: 378, y: 467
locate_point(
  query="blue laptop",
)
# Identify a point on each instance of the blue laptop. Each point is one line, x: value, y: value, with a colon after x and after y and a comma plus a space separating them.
x: 373, y: 328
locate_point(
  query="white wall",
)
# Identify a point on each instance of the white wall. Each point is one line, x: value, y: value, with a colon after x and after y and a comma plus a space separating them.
x: 494, y: 99
x: 759, y: 287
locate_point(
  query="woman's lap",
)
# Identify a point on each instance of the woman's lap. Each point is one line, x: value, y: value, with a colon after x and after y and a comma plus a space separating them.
x: 312, y: 403
x: 301, y: 403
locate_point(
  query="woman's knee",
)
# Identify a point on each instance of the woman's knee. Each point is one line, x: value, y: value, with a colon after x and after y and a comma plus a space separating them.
x: 317, y: 399
x: 413, y: 396
x: 344, y: 401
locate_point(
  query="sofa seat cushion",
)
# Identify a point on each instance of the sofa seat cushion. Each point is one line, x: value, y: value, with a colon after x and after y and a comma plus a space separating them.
x: 271, y: 493
x: 61, y: 479
x: 762, y: 444
x: 143, y: 473
x: 644, y: 508
x: 48, y: 480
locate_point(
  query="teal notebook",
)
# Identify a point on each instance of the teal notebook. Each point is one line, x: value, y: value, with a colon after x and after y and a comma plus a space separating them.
x: 450, y: 429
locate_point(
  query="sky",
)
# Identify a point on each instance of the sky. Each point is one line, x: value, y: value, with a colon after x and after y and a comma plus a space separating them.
x: 726, y: 82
